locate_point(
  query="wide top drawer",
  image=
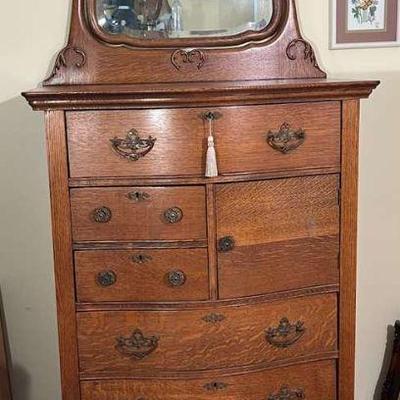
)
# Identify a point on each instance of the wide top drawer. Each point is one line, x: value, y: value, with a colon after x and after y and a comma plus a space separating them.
x: 173, y: 143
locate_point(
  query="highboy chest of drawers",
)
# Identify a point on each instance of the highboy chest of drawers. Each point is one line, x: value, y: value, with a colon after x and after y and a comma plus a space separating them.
x: 203, y: 175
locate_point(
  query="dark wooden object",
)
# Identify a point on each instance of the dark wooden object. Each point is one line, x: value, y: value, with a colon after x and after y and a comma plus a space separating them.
x: 391, y: 386
x: 172, y: 285
x: 5, y: 385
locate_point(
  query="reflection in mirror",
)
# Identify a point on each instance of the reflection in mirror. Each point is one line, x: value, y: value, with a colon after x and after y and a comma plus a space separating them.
x: 157, y: 19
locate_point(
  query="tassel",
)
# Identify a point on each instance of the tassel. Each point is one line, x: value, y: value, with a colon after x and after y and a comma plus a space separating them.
x: 211, y: 166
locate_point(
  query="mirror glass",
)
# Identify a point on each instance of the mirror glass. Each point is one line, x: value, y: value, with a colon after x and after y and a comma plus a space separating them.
x: 157, y: 19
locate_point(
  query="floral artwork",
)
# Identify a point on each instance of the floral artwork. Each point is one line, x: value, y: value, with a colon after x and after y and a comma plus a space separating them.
x: 366, y: 15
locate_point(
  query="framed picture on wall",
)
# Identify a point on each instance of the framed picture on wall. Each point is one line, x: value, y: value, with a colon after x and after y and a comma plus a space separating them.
x: 365, y: 23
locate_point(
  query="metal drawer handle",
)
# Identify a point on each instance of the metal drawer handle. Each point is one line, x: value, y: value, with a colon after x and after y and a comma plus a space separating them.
x: 173, y: 215
x: 226, y: 244
x: 138, y: 197
x: 137, y: 346
x: 106, y: 278
x: 286, y: 139
x: 176, y: 278
x: 213, y: 318
x: 141, y: 258
x: 102, y: 215
x: 133, y: 147
x: 215, y: 386
x: 286, y: 334
x: 285, y: 393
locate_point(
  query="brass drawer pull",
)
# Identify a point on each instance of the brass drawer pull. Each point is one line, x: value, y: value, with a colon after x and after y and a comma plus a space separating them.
x: 285, y: 334
x: 226, y: 244
x: 286, y: 139
x: 141, y: 258
x: 213, y: 318
x: 138, y: 197
x: 215, y: 386
x: 102, y: 215
x: 176, y: 278
x: 173, y: 215
x: 285, y: 393
x: 137, y: 346
x: 106, y: 278
x: 133, y: 147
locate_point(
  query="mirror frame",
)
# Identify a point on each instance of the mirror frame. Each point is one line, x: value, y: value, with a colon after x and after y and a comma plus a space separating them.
x: 279, y: 16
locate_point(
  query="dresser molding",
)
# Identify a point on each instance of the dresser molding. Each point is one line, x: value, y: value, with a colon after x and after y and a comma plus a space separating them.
x: 284, y: 202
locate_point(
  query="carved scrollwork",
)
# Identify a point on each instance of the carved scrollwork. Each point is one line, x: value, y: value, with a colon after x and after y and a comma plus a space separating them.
x: 286, y: 334
x: 308, y: 53
x: 133, y: 147
x: 137, y: 346
x: 181, y: 58
x: 68, y: 56
x: 285, y: 393
x: 286, y: 139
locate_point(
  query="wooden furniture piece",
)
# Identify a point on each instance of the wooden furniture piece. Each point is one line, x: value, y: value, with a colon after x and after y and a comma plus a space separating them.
x: 173, y: 285
x: 391, y: 386
x: 5, y: 386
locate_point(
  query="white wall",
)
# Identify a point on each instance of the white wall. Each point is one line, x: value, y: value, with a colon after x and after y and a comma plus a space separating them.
x: 31, y: 34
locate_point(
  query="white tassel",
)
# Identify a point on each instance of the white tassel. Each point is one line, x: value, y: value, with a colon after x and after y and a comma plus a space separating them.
x: 211, y: 167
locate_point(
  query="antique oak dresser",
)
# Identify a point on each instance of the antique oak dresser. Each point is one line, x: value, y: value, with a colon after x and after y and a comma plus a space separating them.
x: 203, y: 175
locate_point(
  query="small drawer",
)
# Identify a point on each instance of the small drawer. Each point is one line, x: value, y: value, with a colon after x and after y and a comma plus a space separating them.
x: 134, y: 342
x: 141, y: 275
x: 136, y: 143
x: 283, y: 137
x: 129, y: 214
x: 314, y: 381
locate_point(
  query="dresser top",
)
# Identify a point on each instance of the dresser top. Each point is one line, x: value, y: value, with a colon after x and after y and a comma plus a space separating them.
x: 81, y: 97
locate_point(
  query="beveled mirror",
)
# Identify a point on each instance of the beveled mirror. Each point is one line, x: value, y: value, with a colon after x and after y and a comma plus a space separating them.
x: 157, y: 23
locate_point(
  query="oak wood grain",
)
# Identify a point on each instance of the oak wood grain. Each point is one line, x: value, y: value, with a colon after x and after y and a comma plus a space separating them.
x: 285, y: 233
x: 143, y: 220
x: 187, y: 342
x: 141, y: 275
x: 63, y: 258
x: 250, y: 386
x: 348, y: 257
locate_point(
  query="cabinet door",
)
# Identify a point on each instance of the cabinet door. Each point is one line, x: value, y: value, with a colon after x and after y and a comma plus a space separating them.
x: 277, y: 235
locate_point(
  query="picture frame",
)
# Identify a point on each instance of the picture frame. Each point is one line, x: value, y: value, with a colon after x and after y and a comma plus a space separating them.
x: 365, y: 24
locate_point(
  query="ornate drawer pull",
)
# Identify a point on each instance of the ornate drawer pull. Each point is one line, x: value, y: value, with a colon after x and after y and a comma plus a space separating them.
x: 285, y: 334
x: 141, y: 258
x: 137, y: 345
x: 215, y: 386
x: 226, y: 244
x: 286, y: 139
x: 173, y: 215
x: 176, y: 278
x: 213, y: 318
x: 133, y: 147
x: 102, y: 215
x: 287, y: 394
x: 138, y: 197
x: 106, y: 278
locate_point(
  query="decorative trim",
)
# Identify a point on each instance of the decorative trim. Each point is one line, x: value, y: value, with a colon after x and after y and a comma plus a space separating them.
x: 308, y: 52
x: 286, y: 334
x: 133, y: 147
x: 137, y: 346
x: 181, y: 57
x: 68, y: 57
x: 286, y: 139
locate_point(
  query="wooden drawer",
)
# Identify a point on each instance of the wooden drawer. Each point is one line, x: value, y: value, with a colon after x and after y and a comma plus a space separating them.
x: 140, y: 342
x: 315, y: 381
x: 277, y: 235
x: 142, y: 275
x: 243, y: 140
x: 162, y: 213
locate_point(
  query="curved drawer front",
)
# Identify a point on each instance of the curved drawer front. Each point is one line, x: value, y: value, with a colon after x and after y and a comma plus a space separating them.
x: 149, y: 213
x: 188, y: 340
x: 314, y: 381
x: 142, y: 275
